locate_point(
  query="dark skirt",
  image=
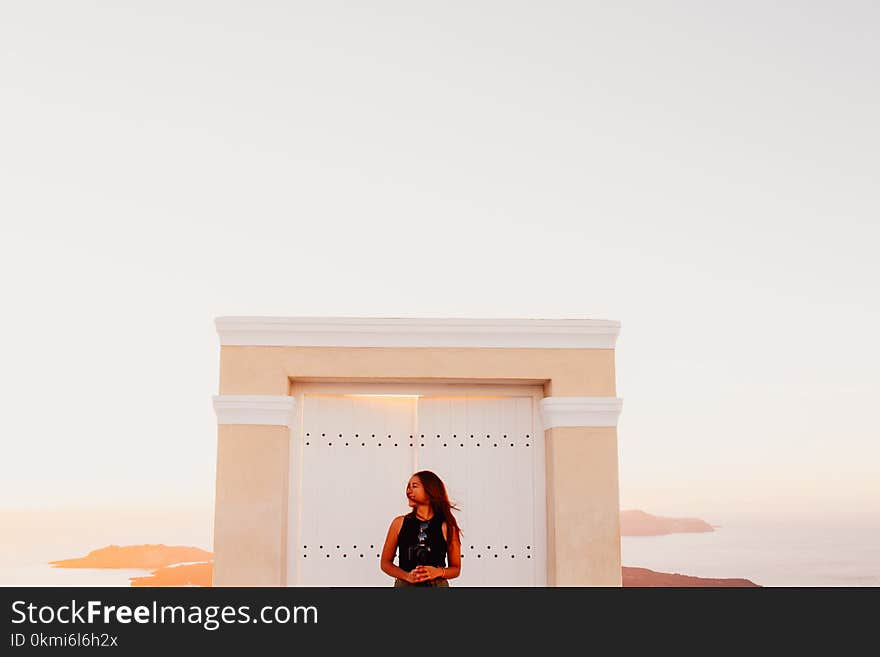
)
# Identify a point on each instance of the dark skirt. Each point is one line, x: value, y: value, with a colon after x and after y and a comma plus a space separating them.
x: 440, y: 581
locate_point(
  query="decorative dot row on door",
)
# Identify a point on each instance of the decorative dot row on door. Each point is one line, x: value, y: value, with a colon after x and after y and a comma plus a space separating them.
x: 437, y: 440
x: 498, y: 552
x: 476, y: 551
x: 341, y: 551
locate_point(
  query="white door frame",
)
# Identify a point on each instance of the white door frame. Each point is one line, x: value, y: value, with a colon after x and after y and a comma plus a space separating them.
x: 415, y: 388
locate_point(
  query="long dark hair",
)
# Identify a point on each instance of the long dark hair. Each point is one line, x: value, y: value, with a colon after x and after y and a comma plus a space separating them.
x: 440, y: 503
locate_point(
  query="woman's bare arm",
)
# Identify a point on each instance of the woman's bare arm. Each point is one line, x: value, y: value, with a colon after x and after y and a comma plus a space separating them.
x: 453, y: 552
x: 387, y: 562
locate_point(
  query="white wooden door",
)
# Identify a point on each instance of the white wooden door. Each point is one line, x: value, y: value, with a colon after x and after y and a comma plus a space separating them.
x: 355, y: 453
x: 355, y: 463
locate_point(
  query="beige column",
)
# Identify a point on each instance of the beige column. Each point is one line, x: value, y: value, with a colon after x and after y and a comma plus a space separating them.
x: 583, y: 501
x: 253, y: 469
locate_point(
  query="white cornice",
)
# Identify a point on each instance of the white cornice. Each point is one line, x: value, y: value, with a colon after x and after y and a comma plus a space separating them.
x: 255, y: 409
x: 580, y: 411
x: 401, y: 332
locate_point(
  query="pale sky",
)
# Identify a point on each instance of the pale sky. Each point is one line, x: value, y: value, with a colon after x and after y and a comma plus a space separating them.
x: 704, y: 172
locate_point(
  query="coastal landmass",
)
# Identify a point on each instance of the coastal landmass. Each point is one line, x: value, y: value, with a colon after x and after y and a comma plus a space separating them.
x: 145, y: 557
x: 186, y: 574
x: 635, y: 522
x: 634, y: 577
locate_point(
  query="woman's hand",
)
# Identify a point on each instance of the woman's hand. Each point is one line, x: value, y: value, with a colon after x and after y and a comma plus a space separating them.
x: 425, y: 573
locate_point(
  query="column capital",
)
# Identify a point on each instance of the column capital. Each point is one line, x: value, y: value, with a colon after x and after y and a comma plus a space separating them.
x: 580, y: 411
x: 278, y: 410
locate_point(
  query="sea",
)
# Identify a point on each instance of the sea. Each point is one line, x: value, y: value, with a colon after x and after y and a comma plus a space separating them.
x: 770, y: 550
x: 30, y: 539
x: 779, y: 550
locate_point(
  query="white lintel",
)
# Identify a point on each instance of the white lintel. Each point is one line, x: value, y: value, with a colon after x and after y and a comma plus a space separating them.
x: 418, y: 332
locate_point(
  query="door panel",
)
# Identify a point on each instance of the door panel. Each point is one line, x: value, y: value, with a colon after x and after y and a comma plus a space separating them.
x: 483, y: 448
x: 356, y: 460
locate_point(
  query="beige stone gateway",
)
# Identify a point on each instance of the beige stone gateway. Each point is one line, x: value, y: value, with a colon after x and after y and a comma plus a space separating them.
x: 321, y: 421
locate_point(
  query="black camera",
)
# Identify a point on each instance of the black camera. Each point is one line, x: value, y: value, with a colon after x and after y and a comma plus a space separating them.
x: 419, y: 554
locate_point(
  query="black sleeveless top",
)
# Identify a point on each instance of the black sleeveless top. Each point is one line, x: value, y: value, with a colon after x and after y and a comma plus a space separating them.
x: 409, y: 538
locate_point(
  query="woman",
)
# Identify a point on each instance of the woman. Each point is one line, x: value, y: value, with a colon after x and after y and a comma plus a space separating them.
x: 424, y: 537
